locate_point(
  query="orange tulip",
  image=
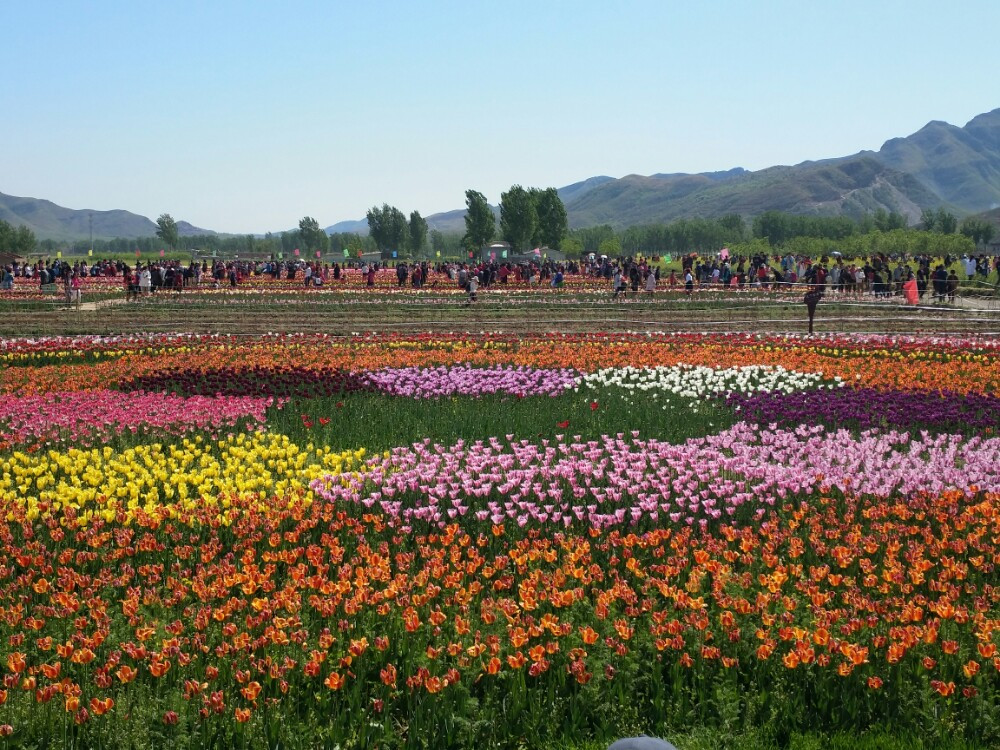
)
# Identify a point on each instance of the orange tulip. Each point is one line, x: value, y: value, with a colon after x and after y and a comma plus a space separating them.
x: 334, y: 681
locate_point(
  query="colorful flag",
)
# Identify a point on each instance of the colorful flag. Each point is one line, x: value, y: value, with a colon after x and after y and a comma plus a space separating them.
x: 438, y: 253
x: 347, y: 253
x: 90, y: 253
x: 317, y: 253
x: 393, y: 253
x: 280, y: 256
x: 161, y: 253
x: 296, y: 252
x: 58, y: 253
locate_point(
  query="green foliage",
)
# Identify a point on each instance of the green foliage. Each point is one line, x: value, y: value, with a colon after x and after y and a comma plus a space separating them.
x: 946, y: 222
x: 18, y: 240
x: 417, y: 232
x: 978, y: 230
x: 383, y: 422
x: 388, y: 227
x: 572, y: 247
x: 518, y: 217
x: 480, y: 223
x: 592, y: 237
x: 552, y: 222
x: 777, y: 227
x: 166, y: 230
x: 881, y: 220
x: 313, y: 238
x: 611, y: 247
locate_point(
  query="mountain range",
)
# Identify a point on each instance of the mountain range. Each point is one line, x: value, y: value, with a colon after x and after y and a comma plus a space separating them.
x: 50, y: 221
x: 939, y: 165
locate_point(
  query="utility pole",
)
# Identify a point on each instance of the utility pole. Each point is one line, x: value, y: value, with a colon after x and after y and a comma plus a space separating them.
x: 91, y: 217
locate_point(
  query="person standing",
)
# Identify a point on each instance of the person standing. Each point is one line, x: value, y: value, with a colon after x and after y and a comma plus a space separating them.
x: 952, y: 286
x: 473, y: 287
x: 811, y: 299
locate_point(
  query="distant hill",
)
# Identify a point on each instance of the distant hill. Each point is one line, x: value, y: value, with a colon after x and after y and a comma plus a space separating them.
x: 186, y: 229
x: 993, y: 217
x: 578, y: 189
x: 961, y: 165
x: 939, y: 165
x: 52, y: 222
x: 348, y: 227
x: 851, y: 187
x: 49, y: 221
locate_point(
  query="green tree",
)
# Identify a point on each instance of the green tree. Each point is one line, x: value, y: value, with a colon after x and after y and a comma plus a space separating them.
x: 24, y: 240
x: 946, y: 222
x: 772, y: 226
x: 437, y: 242
x: 611, y: 247
x: 734, y: 226
x: 387, y: 227
x: 290, y: 242
x: 312, y: 236
x: 418, y: 232
x: 928, y: 219
x: 552, y: 224
x: 572, y: 247
x: 480, y: 223
x: 979, y: 231
x: 18, y: 240
x: 517, y: 217
x: 166, y: 230
x: 988, y: 230
x: 592, y: 237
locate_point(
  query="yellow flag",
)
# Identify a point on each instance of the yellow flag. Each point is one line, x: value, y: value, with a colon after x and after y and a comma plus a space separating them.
x: 90, y: 253
x: 58, y: 253
x: 439, y: 253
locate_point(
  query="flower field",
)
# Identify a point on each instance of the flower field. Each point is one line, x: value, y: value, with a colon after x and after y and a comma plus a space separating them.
x: 458, y: 540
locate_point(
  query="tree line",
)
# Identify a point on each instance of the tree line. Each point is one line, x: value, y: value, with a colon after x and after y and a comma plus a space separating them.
x: 18, y: 240
x: 533, y: 217
x: 939, y: 233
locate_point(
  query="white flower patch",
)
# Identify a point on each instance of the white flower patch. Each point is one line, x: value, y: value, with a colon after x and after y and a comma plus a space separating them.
x: 695, y: 383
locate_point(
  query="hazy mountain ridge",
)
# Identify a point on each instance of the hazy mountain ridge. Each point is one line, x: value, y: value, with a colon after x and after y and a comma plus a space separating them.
x: 51, y: 221
x: 961, y: 165
x: 940, y: 164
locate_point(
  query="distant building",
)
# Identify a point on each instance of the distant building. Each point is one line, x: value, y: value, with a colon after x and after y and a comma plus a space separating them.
x: 501, y: 252
x: 495, y: 251
x: 7, y: 259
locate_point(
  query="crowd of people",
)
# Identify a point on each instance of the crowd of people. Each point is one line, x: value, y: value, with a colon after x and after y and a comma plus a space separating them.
x: 876, y: 275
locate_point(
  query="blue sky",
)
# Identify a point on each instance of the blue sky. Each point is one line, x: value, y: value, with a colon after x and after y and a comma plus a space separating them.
x: 244, y: 117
